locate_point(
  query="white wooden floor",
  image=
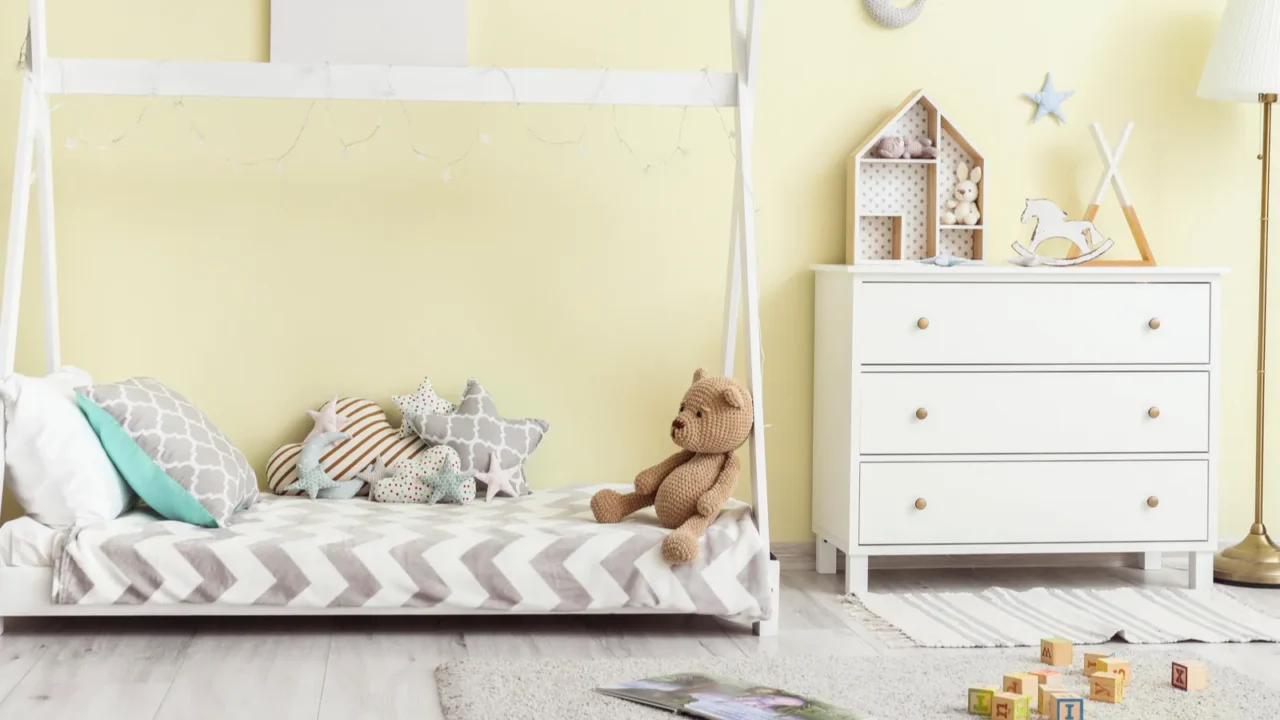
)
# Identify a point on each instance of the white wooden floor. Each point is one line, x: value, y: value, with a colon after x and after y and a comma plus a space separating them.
x: 309, y: 669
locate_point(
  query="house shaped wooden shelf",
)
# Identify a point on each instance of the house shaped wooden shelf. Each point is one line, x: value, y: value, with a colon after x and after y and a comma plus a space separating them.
x: 894, y: 206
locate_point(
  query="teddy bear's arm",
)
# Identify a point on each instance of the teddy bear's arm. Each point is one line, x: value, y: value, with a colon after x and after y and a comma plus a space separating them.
x: 715, y: 498
x: 647, y: 481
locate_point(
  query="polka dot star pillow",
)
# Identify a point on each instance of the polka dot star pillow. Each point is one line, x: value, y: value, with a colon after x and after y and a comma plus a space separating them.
x: 372, y: 436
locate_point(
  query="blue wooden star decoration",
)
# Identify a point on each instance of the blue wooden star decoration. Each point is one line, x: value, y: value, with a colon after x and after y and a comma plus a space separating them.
x: 1049, y: 101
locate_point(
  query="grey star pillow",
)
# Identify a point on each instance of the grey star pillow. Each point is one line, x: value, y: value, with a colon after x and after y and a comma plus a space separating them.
x: 477, y: 431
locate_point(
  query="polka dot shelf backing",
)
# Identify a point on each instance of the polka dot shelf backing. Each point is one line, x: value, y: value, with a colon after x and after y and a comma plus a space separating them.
x: 895, y: 205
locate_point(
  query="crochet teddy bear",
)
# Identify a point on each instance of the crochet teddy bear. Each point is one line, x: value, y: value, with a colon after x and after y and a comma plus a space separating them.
x: 689, y: 488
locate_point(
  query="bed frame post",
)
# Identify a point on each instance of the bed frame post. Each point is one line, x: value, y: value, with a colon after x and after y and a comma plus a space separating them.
x: 34, y: 146
x: 44, y: 188
x: 745, y: 35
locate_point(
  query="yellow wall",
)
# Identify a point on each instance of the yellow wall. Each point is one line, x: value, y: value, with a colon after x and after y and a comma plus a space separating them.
x: 580, y: 287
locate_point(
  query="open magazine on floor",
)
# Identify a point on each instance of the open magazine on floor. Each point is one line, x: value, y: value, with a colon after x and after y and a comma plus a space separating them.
x: 717, y: 698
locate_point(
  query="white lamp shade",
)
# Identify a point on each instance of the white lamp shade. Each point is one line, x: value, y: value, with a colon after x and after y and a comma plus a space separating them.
x: 1245, y: 59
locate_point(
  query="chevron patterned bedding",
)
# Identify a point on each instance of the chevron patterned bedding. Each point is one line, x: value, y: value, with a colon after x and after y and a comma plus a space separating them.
x: 538, y: 553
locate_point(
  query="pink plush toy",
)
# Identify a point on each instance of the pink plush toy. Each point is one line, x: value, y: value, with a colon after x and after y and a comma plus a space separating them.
x: 890, y: 148
x: 921, y: 148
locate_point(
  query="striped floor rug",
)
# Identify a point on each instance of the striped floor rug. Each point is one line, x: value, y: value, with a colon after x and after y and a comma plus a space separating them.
x: 1005, y: 618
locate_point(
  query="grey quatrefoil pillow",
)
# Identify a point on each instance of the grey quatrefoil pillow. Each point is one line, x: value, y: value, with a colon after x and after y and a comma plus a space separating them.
x: 477, y: 431
x: 169, y: 452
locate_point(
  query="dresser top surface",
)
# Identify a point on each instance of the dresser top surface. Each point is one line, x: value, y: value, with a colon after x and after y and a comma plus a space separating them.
x: 1007, y: 272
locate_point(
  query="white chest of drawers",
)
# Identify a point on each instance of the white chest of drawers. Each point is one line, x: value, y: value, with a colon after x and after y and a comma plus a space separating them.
x: 982, y: 410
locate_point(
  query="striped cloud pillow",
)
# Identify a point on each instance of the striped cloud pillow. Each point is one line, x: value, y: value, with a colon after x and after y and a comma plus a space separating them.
x: 371, y: 436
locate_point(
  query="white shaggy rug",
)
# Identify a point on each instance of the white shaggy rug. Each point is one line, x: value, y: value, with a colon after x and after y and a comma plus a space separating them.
x: 999, y: 617
x: 920, y: 686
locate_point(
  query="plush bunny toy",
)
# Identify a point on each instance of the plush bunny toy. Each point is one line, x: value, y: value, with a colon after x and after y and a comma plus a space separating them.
x: 963, y: 210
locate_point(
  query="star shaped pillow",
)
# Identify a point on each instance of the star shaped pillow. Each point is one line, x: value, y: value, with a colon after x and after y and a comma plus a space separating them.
x: 477, y: 432
x: 423, y: 402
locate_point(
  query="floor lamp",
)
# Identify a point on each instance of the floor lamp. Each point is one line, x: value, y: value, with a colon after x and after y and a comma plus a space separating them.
x: 1244, y: 66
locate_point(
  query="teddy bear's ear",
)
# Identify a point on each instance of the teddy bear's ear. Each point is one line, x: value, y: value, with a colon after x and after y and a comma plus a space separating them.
x: 699, y: 374
x: 732, y: 396
x: 962, y: 172
x: 976, y: 175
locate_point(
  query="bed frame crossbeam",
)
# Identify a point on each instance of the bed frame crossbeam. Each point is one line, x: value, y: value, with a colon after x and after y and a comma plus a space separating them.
x: 528, y: 86
x: 47, y: 76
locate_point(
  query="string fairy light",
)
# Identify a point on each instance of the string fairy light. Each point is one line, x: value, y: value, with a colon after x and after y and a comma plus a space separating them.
x: 278, y: 159
x: 448, y: 162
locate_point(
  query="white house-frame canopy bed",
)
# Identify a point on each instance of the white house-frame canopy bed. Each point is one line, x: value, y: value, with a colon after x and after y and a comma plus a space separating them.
x: 32, y: 589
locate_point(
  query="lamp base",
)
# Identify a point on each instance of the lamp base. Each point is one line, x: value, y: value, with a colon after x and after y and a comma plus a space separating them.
x: 1255, y: 561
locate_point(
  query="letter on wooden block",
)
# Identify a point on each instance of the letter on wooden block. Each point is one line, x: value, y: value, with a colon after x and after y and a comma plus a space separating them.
x: 1008, y: 706
x: 1188, y: 675
x: 1117, y: 666
x: 1091, y: 661
x: 980, y: 699
x: 1047, y: 677
x: 1106, y: 687
x: 1022, y: 684
x: 1055, y: 651
x: 1067, y: 708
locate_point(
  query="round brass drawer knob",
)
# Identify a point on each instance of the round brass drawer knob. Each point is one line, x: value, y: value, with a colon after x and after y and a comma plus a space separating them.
x: 1154, y: 412
x: 1154, y: 324
x: 922, y: 414
x: 921, y: 504
x: 923, y: 323
x: 1153, y: 501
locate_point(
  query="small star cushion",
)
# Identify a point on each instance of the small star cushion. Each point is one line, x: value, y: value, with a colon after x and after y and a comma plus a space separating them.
x: 311, y: 477
x: 497, y: 480
x: 327, y: 419
x: 449, y: 485
x: 423, y: 402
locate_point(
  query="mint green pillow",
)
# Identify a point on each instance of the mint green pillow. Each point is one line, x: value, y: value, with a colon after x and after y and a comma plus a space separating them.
x: 147, y: 479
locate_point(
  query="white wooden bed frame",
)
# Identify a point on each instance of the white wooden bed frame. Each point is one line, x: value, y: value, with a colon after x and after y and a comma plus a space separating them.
x: 27, y: 591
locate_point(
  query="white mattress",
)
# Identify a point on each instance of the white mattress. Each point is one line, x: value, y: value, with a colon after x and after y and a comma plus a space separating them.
x: 26, y: 543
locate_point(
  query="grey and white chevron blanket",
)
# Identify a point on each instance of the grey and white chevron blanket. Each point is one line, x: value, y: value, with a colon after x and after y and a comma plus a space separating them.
x: 540, y: 553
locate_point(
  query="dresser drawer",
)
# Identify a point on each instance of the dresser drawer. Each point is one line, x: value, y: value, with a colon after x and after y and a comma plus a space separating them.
x: 1033, y: 412
x: 1033, y: 502
x: 1031, y: 323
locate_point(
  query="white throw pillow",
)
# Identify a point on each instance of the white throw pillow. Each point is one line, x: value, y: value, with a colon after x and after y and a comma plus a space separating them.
x: 56, y: 467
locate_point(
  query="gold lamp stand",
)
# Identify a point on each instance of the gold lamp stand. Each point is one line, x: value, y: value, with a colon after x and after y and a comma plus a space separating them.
x: 1256, y: 559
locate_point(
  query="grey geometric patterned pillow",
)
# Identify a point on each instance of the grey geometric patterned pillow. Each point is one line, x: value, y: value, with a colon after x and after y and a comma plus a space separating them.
x: 477, y: 431
x: 182, y: 441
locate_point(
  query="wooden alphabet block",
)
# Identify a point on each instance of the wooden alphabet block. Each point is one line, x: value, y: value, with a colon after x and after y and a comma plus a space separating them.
x: 1106, y: 687
x: 1022, y: 684
x: 1008, y: 706
x: 1117, y: 666
x: 1047, y: 677
x: 1091, y: 661
x: 1048, y: 695
x: 1066, y: 707
x: 1055, y: 651
x: 980, y: 699
x: 1188, y: 675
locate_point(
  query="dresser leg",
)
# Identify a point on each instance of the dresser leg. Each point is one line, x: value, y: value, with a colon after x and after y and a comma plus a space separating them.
x: 1200, y: 570
x: 826, y: 556
x: 856, y: 569
x: 1147, y: 560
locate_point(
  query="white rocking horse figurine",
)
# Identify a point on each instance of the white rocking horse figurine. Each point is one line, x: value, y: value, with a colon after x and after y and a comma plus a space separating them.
x: 1052, y: 222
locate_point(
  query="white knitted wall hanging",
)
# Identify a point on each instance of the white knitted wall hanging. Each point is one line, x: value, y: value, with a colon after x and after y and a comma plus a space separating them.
x: 891, y: 15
